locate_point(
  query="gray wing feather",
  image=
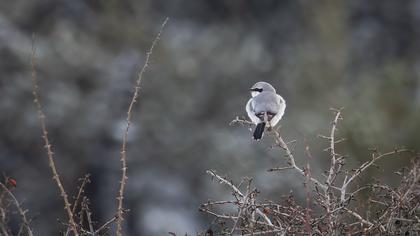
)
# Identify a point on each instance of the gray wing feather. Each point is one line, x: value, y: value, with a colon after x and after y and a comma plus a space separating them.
x: 251, y: 113
x: 280, y: 113
x: 266, y: 102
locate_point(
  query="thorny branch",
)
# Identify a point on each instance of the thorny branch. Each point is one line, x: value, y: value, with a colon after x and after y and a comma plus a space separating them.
x: 237, y: 192
x: 50, y: 153
x: 334, y: 169
x: 84, y: 180
x: 335, y: 210
x: 22, y: 213
x: 363, y: 167
x: 292, y: 163
x: 123, y: 157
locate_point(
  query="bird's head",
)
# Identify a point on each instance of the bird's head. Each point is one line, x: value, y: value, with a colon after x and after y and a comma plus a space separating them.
x: 261, y: 87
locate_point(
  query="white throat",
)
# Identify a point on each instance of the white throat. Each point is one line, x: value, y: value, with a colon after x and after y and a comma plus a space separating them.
x: 254, y: 93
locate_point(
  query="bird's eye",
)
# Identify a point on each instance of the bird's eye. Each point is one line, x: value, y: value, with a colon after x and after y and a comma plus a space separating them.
x: 257, y: 90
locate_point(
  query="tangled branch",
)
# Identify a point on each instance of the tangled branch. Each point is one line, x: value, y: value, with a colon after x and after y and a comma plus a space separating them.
x: 335, y: 210
x: 22, y: 213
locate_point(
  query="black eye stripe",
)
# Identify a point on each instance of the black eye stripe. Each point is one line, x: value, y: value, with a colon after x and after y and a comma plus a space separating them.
x: 257, y: 90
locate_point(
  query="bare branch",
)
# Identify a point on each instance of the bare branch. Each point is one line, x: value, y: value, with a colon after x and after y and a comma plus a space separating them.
x: 123, y: 157
x: 225, y: 181
x: 239, y: 193
x: 22, y: 212
x: 50, y: 153
x: 336, y: 208
x: 333, y: 170
x: 360, y: 218
x: 363, y: 167
x: 241, y: 121
x: 105, y: 226
x: 85, y: 206
x: 282, y: 144
x: 85, y: 180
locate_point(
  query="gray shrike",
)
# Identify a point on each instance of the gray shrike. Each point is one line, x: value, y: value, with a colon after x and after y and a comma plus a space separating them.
x: 265, y: 108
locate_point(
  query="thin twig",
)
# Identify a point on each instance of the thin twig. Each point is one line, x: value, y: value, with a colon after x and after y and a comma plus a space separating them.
x: 4, y: 230
x: 332, y: 172
x: 85, y: 180
x: 85, y: 206
x: 360, y: 218
x: 233, y: 218
x: 225, y: 181
x: 19, y: 208
x: 238, y: 192
x: 280, y: 168
x: 292, y: 163
x: 266, y: 232
x: 241, y: 121
x: 123, y: 157
x: 363, y: 167
x: 50, y: 153
x: 241, y: 209
x: 307, y: 183
x: 104, y: 226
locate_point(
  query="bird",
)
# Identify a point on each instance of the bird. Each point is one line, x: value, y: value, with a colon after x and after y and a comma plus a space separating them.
x: 265, y: 108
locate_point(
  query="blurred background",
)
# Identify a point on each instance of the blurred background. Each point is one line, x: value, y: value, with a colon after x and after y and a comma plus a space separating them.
x: 360, y: 55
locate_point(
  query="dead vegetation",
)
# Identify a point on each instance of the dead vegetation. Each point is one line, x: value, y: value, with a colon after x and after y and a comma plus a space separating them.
x: 79, y: 216
x: 333, y: 205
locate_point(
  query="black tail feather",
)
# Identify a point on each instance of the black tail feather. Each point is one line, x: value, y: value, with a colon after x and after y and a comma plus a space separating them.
x: 259, y: 130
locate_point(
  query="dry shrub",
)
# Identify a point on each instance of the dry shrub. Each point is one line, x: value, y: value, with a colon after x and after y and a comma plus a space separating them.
x: 79, y: 216
x: 331, y: 205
